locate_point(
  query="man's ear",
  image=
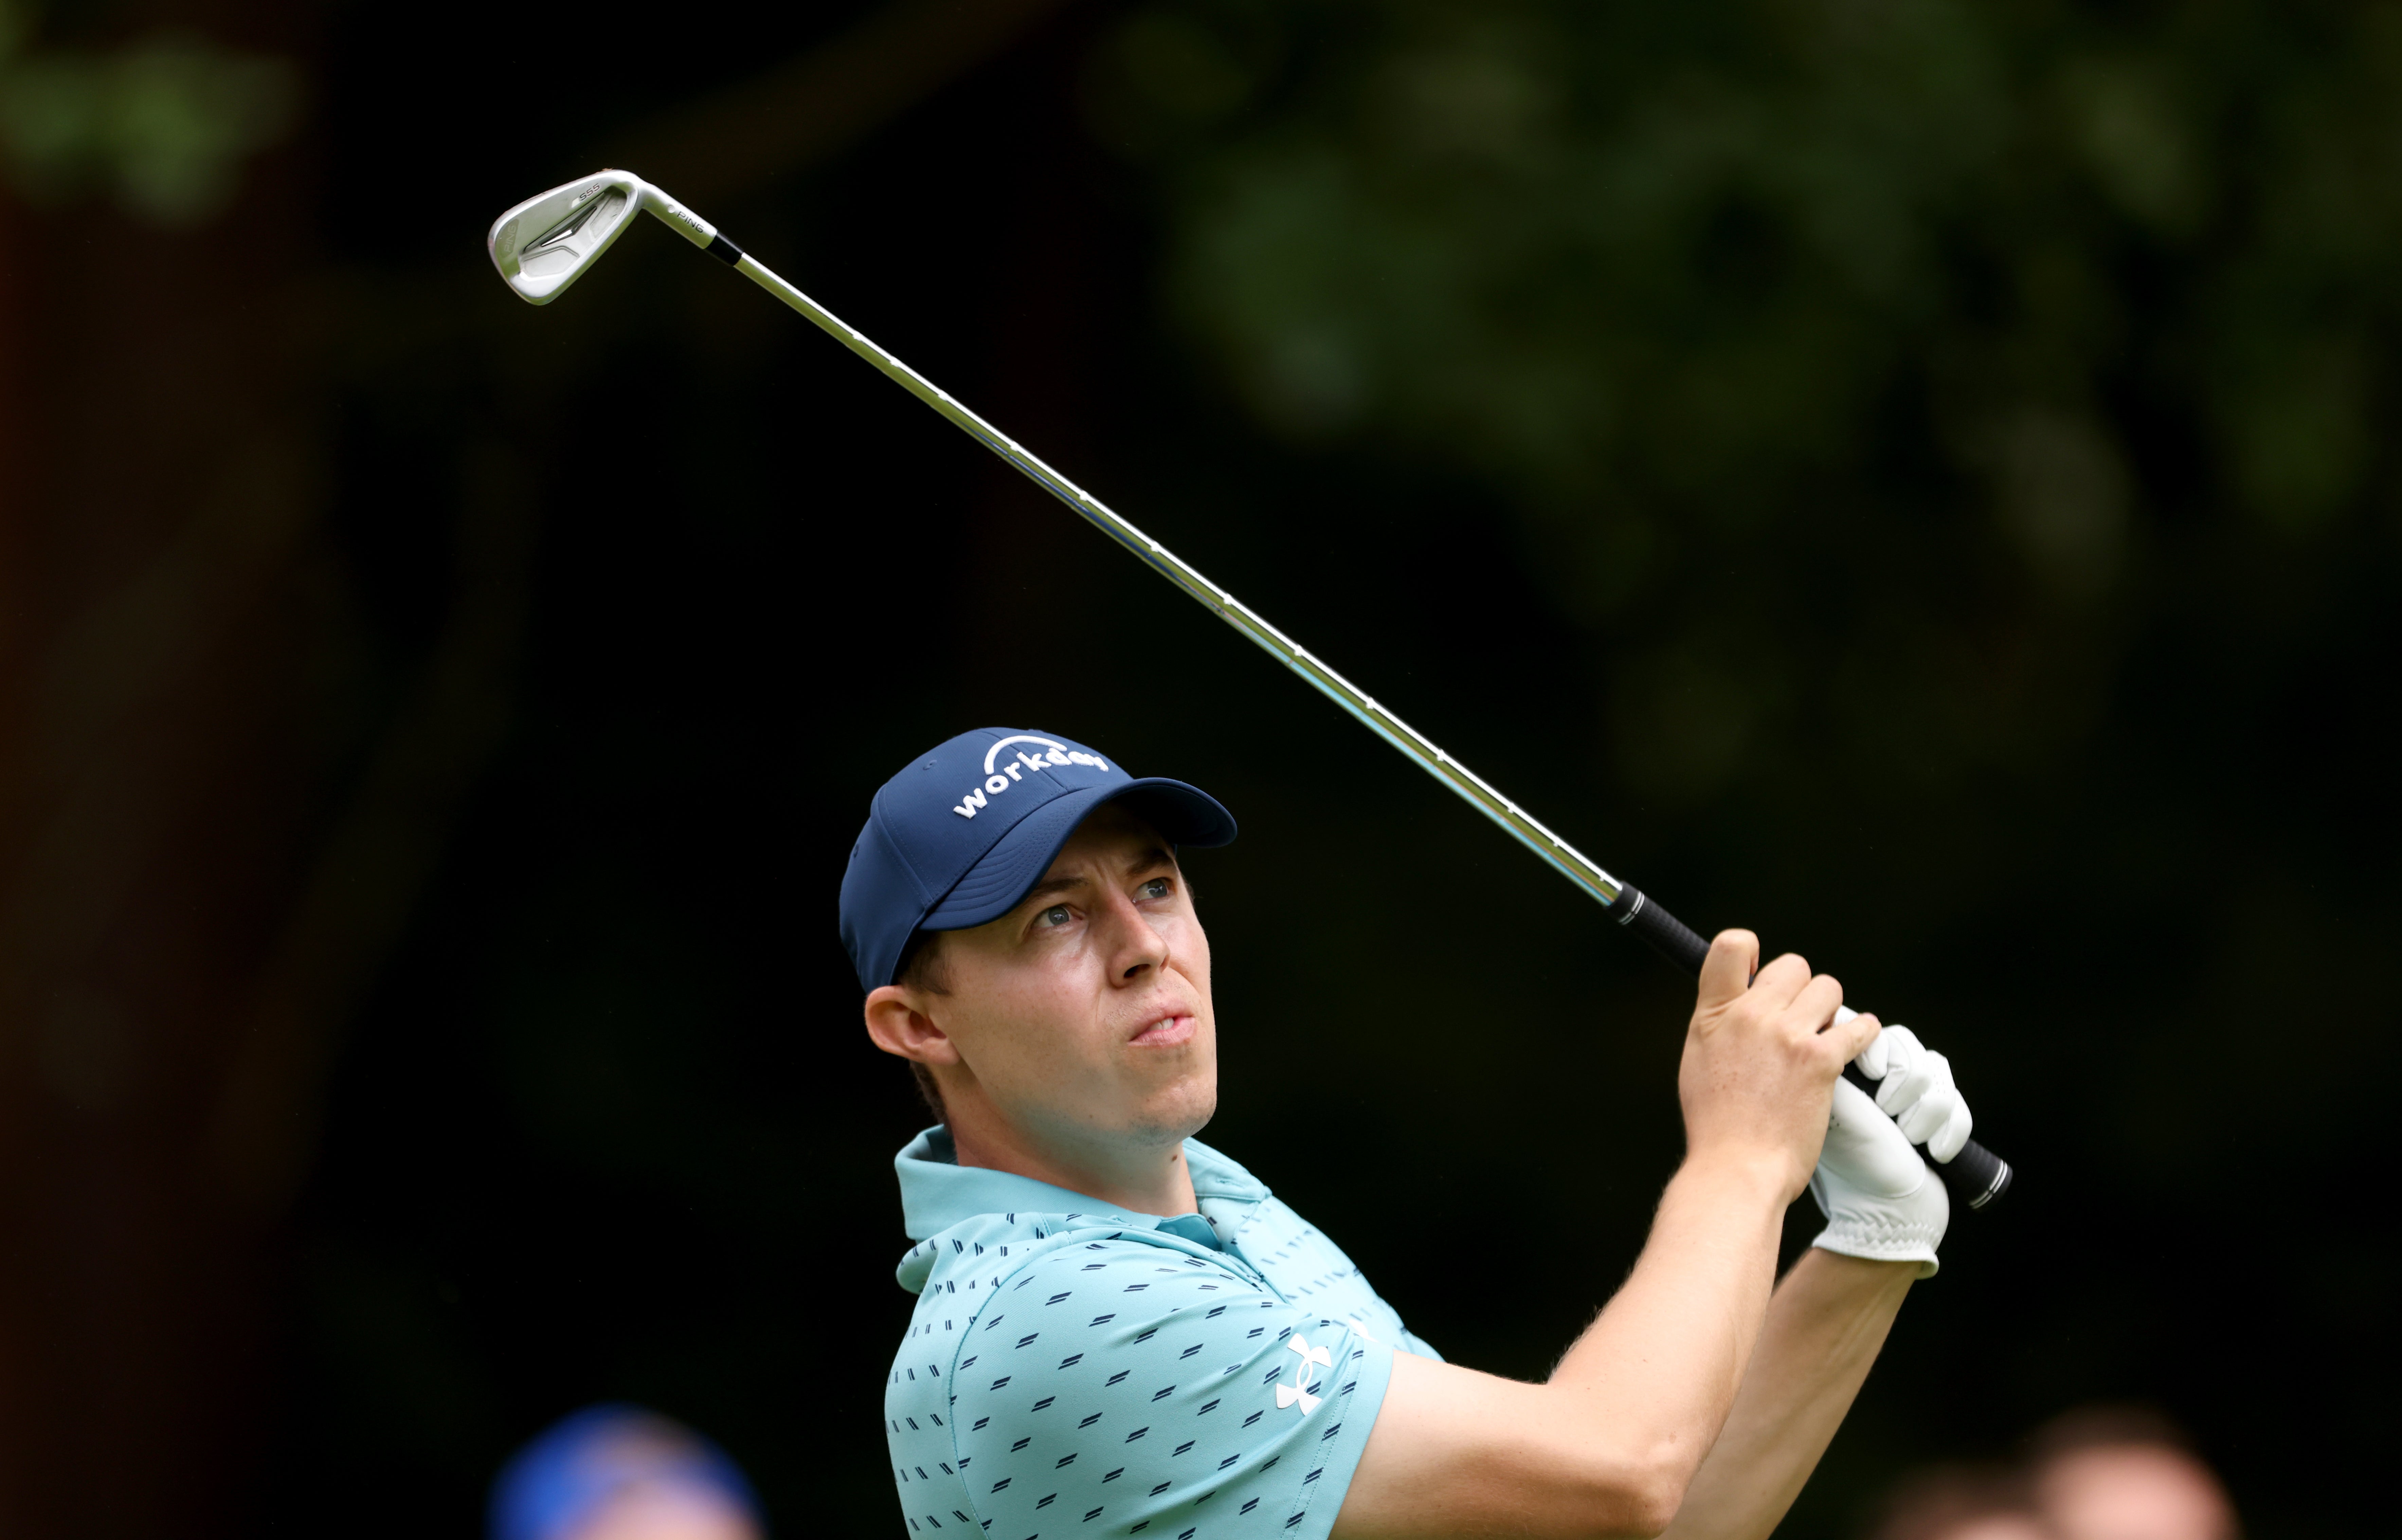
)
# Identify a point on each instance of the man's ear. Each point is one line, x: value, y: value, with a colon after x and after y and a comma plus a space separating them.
x: 896, y: 1024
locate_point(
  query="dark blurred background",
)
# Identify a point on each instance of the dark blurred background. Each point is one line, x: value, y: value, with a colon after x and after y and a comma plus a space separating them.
x: 1904, y: 475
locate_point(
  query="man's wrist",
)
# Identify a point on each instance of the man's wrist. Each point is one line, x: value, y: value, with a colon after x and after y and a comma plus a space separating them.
x: 1871, y: 1273
x: 1884, y: 1240
x: 1835, y: 1279
x: 1733, y: 1174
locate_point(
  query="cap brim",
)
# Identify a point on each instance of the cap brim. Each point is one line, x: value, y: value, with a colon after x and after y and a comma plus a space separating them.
x: 1184, y: 815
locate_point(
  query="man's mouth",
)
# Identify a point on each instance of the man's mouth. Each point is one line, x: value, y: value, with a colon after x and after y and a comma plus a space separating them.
x: 1167, y: 1032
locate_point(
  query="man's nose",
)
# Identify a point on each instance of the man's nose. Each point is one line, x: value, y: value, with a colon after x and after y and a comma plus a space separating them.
x: 1136, y: 947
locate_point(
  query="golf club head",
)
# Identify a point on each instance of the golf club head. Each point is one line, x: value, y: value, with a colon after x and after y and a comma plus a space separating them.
x: 547, y: 241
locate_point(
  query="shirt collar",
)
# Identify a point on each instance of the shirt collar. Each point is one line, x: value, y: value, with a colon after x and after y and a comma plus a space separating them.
x: 937, y: 1193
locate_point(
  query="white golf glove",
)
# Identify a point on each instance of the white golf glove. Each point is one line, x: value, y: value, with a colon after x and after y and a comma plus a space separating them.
x: 1881, y: 1200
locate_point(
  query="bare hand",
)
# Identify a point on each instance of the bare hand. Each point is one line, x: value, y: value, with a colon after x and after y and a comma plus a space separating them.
x: 1761, y: 1060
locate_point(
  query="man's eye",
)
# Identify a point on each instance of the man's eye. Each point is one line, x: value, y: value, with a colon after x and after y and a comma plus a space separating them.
x: 1157, y: 887
x: 1055, y: 916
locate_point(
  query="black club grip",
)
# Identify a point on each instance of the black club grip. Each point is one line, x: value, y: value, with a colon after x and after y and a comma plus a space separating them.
x: 1663, y: 932
x: 1976, y: 1177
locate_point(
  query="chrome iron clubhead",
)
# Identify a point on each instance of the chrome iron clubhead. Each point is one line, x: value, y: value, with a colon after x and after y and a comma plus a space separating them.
x: 547, y: 241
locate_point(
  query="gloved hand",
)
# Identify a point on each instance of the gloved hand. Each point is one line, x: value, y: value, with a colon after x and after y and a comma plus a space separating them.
x: 1881, y: 1200
x: 1914, y: 1089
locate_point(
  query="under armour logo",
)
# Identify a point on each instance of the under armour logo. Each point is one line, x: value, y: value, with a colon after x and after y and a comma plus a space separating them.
x: 1288, y: 1395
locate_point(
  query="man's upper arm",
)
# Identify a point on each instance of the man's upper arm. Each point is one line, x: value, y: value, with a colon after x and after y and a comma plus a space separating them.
x: 1143, y: 1389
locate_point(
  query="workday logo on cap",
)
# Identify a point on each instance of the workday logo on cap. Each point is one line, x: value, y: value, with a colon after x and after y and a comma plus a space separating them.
x: 957, y: 837
x: 1047, y: 752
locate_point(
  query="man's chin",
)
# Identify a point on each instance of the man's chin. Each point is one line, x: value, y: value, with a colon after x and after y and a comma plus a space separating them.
x: 1175, y: 1116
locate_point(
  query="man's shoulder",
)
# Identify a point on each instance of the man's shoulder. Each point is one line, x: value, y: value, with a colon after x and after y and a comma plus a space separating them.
x: 1011, y: 1309
x: 1153, y: 1387
x: 1140, y: 1371
x: 995, y: 1254
x: 1130, y: 1271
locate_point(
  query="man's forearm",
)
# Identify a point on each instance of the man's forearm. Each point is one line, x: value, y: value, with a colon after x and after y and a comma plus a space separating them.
x: 1825, y: 1326
x: 1612, y: 1442
x: 1667, y: 1356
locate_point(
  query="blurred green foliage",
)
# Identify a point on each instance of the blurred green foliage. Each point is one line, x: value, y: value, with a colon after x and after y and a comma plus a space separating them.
x: 162, y: 124
x: 1994, y: 319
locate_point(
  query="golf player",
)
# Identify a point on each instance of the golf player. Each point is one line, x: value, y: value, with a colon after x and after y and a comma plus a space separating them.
x: 1121, y: 1331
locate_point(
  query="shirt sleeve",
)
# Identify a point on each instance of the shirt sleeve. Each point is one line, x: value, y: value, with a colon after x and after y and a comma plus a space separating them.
x: 1124, y: 1388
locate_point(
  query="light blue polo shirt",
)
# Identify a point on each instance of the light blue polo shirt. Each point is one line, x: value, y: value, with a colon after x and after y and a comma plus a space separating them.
x: 1074, y: 1370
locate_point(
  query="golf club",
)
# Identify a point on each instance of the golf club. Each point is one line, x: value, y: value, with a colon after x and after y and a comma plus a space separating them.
x: 544, y: 245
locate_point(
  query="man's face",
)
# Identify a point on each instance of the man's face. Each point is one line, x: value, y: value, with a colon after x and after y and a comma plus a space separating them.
x: 1083, y: 1014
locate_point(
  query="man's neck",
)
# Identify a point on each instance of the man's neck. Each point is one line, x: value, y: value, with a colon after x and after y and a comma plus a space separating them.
x: 1145, y: 1180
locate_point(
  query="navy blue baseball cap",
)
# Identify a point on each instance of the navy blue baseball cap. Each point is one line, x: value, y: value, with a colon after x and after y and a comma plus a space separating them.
x: 958, y: 836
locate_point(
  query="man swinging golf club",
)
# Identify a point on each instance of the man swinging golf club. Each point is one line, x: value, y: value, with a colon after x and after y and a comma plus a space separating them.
x: 1121, y: 1331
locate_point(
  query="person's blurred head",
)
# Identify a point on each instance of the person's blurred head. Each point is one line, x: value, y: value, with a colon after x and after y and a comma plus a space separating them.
x: 620, y: 1473
x: 2120, y: 1473
x: 1962, y: 1503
